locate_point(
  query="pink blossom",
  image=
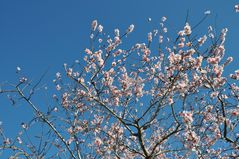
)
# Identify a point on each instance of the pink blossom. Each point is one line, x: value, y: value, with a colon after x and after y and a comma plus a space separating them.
x: 7, y: 141
x: 187, y: 29
x: 237, y: 8
x: 187, y: 116
x: 235, y: 112
x: 191, y: 51
x: 117, y: 32
x: 94, y: 25
x: 58, y: 87
x: 58, y: 75
x: 100, y: 28
x: 117, y: 40
x: 18, y: 69
x: 170, y: 100
x: 229, y: 60
x: 213, y: 60
x: 202, y: 40
x: 165, y: 30
x: 113, y: 64
x: 100, y: 40
x: 130, y: 29
x: 88, y: 51
x: 163, y: 19
x: 160, y: 39
x: 69, y: 72
x: 19, y: 140
x: 150, y: 36
x: 98, y: 141
x: 181, y: 33
x: 81, y: 80
x: 181, y: 45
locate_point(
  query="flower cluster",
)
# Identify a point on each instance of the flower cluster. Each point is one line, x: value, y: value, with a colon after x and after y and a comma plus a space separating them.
x: 142, y: 101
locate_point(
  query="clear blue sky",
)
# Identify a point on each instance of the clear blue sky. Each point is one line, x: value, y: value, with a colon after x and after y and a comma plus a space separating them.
x: 37, y: 34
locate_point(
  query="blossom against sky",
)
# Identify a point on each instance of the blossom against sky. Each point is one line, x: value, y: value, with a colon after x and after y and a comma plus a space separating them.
x: 40, y: 35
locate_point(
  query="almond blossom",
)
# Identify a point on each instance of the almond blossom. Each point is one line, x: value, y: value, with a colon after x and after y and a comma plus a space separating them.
x: 154, y: 99
x: 236, y: 8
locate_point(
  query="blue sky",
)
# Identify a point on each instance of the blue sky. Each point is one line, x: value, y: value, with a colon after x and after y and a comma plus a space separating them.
x: 37, y: 35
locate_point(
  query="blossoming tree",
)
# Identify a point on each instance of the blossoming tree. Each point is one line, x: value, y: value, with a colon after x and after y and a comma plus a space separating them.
x: 166, y: 98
